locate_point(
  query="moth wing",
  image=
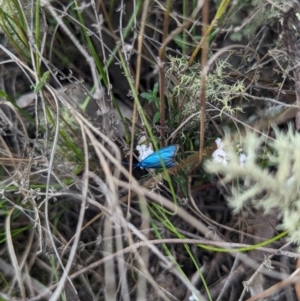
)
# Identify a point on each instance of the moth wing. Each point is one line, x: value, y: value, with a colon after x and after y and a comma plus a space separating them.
x: 168, y: 152
x: 165, y: 154
x: 152, y: 161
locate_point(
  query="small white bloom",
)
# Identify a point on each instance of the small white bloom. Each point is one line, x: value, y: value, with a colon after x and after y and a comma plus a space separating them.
x: 243, y: 159
x: 219, y: 155
x: 144, y: 151
x: 220, y: 143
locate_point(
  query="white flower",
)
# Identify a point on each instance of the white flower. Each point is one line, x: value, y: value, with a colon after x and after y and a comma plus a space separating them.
x: 243, y: 159
x: 144, y: 151
x: 220, y: 143
x: 219, y: 155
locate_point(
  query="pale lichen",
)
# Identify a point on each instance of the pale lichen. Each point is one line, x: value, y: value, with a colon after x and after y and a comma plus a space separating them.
x: 269, y: 178
x: 218, y: 91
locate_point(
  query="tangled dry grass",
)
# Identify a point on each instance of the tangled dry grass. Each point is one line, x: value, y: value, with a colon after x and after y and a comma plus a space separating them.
x: 83, y: 83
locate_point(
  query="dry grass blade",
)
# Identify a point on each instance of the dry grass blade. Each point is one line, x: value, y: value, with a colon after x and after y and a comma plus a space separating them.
x: 13, y: 255
x: 84, y: 86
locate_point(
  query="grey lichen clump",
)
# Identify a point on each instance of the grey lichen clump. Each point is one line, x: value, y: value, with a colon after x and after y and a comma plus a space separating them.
x: 217, y: 90
x: 270, y: 178
x: 186, y: 88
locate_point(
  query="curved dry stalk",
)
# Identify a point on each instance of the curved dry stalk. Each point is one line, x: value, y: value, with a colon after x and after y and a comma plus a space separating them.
x: 13, y: 256
x: 72, y: 254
